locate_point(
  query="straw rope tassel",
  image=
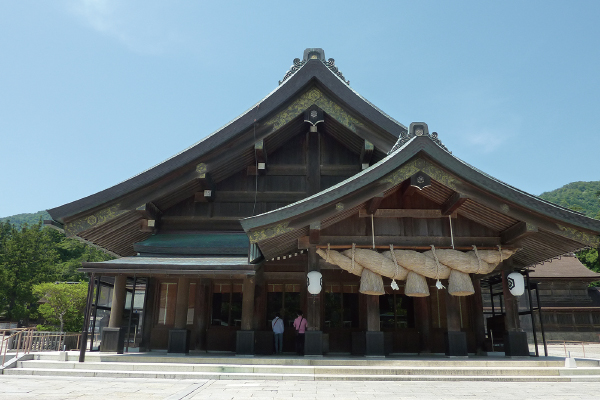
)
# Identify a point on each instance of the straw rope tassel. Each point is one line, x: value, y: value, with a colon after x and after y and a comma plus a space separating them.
x: 373, y: 231
x: 478, y: 259
x: 327, y: 255
x: 451, y: 232
x: 438, y: 283
x: 394, y: 284
x: 353, y: 249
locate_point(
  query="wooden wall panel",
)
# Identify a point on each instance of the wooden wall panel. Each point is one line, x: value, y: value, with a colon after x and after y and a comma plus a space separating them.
x: 334, y: 152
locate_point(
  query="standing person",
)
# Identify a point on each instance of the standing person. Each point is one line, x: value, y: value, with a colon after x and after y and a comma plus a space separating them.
x: 300, y: 326
x: 277, y: 325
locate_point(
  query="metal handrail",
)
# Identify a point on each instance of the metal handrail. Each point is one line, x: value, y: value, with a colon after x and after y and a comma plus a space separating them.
x: 29, y: 339
x: 22, y: 336
x: 572, y: 343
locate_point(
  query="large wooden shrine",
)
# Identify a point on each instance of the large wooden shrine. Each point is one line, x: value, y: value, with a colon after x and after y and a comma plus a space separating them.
x: 314, y: 177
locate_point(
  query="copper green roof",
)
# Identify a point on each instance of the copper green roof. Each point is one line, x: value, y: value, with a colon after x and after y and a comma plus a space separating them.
x: 210, y: 243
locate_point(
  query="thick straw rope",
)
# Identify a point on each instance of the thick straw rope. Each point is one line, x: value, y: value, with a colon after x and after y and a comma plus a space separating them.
x: 458, y: 265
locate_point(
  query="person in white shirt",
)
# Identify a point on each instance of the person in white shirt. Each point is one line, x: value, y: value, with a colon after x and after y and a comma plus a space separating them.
x: 277, y: 325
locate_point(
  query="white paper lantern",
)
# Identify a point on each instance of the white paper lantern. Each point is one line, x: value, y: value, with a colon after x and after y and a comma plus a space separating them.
x: 314, y: 281
x: 516, y: 284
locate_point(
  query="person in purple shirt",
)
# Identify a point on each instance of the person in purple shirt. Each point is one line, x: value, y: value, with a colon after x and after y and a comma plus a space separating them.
x: 277, y: 325
x: 300, y: 324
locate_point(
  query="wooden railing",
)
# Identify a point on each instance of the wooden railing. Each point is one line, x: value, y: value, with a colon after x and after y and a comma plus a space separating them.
x: 26, y: 340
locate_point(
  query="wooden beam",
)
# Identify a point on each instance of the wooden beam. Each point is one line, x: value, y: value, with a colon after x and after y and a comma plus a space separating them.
x: 149, y: 210
x: 339, y: 170
x: 403, y: 213
x: 314, y: 232
x: 260, y: 151
x: 261, y: 156
x: 279, y: 170
x: 366, y: 153
x: 453, y: 203
x: 147, y: 225
x: 374, y: 203
x: 206, y: 195
x: 208, y: 188
x: 414, y: 242
x: 518, y: 232
x: 269, y: 197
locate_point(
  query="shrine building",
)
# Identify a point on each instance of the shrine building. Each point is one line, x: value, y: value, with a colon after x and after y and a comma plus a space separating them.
x: 396, y: 234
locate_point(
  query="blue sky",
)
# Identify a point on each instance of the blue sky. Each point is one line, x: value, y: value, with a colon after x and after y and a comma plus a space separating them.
x: 93, y: 92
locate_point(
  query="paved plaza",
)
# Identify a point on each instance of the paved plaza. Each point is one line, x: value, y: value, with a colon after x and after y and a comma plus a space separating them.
x: 42, y: 387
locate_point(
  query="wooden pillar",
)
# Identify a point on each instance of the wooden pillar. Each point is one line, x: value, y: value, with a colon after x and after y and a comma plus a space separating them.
x: 118, y: 301
x: 452, y: 313
x: 260, y: 303
x: 182, y: 303
x: 248, y: 303
x: 86, y: 321
x: 313, y: 314
x: 149, y: 314
x: 423, y: 320
x: 478, y: 316
x: 515, y: 339
x: 373, y: 313
x: 511, y: 306
x: 456, y: 340
x: 202, y: 314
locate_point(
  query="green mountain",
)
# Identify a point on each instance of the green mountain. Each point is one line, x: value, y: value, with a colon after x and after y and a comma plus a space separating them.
x: 26, y: 218
x: 583, y: 197
x: 579, y: 196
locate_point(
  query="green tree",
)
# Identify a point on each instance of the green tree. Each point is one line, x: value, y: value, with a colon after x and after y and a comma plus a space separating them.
x: 62, y: 305
x: 590, y: 259
x: 578, y: 196
x: 27, y: 257
x: 72, y: 253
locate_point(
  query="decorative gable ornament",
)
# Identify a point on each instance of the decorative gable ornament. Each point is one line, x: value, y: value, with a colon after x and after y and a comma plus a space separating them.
x: 314, y: 54
x: 314, y: 115
x: 420, y: 180
x: 417, y: 129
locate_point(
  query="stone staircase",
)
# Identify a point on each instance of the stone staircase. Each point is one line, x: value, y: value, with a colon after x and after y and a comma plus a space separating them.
x: 152, y: 365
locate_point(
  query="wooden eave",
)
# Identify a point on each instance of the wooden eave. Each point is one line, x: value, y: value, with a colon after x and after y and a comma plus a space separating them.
x: 180, y: 168
x: 488, y: 201
x: 233, y: 267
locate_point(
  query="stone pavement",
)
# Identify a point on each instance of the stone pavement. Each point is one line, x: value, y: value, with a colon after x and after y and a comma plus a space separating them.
x: 42, y: 388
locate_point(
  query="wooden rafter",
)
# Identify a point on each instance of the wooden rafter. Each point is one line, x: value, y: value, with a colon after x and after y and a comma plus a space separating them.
x: 453, y: 203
